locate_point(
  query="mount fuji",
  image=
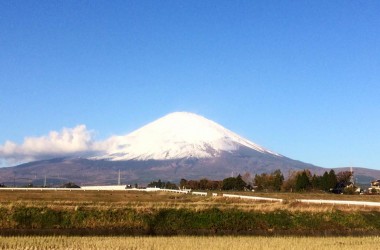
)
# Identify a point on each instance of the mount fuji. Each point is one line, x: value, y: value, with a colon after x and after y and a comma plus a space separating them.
x: 178, y: 145
x: 179, y: 135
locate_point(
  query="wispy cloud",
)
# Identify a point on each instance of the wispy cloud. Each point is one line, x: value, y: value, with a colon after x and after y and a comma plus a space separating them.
x: 68, y: 141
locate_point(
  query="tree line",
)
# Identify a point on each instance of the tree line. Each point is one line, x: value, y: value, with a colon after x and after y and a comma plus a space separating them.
x: 297, y: 181
x: 230, y: 183
x: 304, y: 180
x: 163, y: 184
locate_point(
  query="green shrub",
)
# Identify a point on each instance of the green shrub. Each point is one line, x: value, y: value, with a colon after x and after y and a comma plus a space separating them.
x: 188, y: 221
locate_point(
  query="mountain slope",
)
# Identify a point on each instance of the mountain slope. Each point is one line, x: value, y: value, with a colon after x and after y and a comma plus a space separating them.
x: 179, y: 135
x: 101, y: 172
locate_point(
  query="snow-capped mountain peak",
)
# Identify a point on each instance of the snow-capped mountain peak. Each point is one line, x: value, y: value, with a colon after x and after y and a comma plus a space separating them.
x: 178, y: 135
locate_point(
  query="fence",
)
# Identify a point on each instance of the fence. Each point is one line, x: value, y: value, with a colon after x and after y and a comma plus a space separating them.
x: 199, y: 193
x: 337, y: 202
x: 256, y: 198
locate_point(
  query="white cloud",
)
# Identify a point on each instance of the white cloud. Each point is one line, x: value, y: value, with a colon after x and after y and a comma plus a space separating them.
x: 68, y: 141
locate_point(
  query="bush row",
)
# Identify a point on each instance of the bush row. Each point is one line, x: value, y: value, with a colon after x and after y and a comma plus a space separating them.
x: 186, y: 221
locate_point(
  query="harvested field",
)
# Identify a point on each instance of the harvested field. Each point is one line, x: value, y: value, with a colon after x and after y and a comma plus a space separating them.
x: 174, y: 243
x: 156, y: 200
x: 112, y: 213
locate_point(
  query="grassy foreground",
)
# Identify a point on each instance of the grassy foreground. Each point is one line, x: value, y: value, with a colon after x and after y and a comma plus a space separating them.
x: 34, y: 220
x: 139, y: 213
x: 188, y: 242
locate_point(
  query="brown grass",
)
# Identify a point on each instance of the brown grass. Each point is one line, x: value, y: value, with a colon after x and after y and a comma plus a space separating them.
x: 171, y: 243
x: 156, y: 200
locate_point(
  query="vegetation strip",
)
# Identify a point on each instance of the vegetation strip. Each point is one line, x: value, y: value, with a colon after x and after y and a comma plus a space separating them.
x: 19, y: 219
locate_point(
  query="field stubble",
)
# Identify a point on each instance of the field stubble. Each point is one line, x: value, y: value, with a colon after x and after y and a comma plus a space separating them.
x: 188, y: 242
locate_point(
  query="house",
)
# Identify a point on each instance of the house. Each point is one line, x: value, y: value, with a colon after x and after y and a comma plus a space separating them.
x: 375, y: 186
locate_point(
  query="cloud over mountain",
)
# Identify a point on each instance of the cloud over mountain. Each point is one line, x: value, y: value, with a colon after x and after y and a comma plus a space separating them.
x: 175, y: 136
x: 68, y: 141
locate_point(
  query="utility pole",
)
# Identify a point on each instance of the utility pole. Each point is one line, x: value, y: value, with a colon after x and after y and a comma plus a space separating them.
x: 352, y: 179
x: 118, y: 181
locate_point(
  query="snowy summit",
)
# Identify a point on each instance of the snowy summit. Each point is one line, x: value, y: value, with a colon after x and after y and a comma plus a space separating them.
x: 179, y: 135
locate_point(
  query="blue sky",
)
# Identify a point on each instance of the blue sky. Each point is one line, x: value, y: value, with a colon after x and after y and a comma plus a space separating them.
x: 301, y: 78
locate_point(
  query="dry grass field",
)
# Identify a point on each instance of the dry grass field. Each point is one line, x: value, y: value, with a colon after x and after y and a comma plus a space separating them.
x: 155, y: 201
x: 189, y: 242
x: 143, y: 200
